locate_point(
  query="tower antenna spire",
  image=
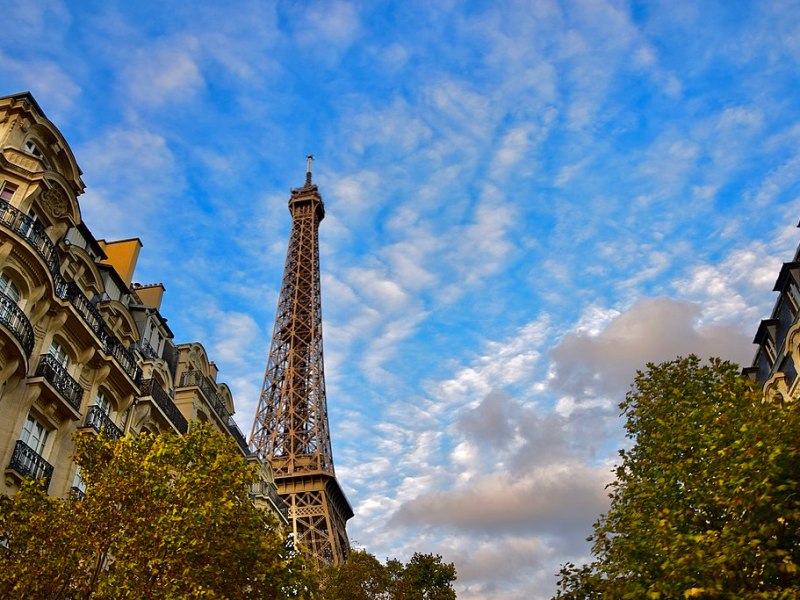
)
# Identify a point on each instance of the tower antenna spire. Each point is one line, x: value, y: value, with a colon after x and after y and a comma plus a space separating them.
x: 309, y: 160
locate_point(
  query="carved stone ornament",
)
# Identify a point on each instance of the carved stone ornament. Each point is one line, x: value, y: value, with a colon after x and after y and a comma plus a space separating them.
x: 55, y: 201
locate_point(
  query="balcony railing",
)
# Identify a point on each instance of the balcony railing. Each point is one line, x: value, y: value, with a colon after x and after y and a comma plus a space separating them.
x: 237, y: 435
x: 263, y: 489
x: 32, y: 231
x: 57, y: 376
x: 17, y: 221
x: 113, y: 347
x: 196, y: 378
x: 17, y: 323
x: 150, y: 387
x: 69, y: 291
x: 98, y: 420
x: 27, y: 462
x: 146, y: 350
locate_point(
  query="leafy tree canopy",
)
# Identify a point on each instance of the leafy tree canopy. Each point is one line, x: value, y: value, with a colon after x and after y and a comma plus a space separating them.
x: 363, y: 577
x: 706, y: 502
x: 164, y: 516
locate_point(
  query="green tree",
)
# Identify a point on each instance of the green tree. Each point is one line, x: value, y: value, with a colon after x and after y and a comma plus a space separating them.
x: 424, y: 577
x: 163, y: 516
x: 363, y: 577
x: 705, y: 502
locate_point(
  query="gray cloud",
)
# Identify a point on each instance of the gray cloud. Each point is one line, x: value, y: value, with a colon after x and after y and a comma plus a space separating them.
x: 558, y: 499
x: 652, y: 330
x: 490, y: 421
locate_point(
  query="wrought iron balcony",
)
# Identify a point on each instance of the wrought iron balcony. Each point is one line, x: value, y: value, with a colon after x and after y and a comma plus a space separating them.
x: 125, y: 358
x: 262, y: 489
x: 98, y: 420
x: 27, y: 462
x: 17, y: 323
x: 146, y: 350
x: 57, y: 376
x: 237, y: 435
x: 196, y: 378
x: 17, y: 221
x: 69, y: 291
x: 151, y: 388
x: 32, y: 231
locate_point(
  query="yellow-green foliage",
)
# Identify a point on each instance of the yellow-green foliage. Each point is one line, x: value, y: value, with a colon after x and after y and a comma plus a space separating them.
x: 163, y: 517
x: 706, y: 502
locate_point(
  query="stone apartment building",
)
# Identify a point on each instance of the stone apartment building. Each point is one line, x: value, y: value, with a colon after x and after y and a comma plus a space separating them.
x: 775, y: 365
x: 82, y: 347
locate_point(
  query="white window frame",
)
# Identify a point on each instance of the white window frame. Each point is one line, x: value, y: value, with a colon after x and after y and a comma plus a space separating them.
x: 60, y: 353
x: 35, y: 434
x: 9, y: 288
x: 102, y: 402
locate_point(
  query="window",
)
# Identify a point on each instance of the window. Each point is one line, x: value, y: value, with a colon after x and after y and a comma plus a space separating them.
x: 78, y: 484
x: 28, y: 226
x: 102, y: 402
x: 7, y: 191
x: 794, y: 295
x: 57, y: 351
x: 34, y: 434
x: 32, y: 148
x: 9, y: 288
x: 769, y: 348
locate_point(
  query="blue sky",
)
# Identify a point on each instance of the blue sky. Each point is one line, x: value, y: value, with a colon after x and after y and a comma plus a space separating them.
x: 526, y: 202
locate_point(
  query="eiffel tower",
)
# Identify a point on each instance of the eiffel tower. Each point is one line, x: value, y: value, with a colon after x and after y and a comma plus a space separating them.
x: 291, y: 422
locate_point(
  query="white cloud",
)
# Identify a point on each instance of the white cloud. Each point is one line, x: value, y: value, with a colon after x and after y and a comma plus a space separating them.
x: 166, y: 71
x: 52, y: 85
x: 133, y: 174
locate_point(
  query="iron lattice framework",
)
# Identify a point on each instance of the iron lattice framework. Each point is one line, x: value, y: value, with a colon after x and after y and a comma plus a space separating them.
x: 291, y: 421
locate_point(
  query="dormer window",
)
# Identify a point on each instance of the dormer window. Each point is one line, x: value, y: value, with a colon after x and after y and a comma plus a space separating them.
x: 769, y: 348
x: 32, y: 148
x: 794, y: 295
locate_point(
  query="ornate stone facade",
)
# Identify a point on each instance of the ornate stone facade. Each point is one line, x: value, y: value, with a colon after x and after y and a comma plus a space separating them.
x: 81, y: 346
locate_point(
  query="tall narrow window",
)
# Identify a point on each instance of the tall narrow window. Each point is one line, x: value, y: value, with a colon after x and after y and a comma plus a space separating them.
x: 78, y: 484
x: 34, y: 434
x: 102, y: 402
x: 9, y: 288
x: 58, y: 352
x: 769, y: 348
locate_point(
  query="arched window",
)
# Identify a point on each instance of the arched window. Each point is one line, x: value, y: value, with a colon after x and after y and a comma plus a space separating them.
x: 32, y: 148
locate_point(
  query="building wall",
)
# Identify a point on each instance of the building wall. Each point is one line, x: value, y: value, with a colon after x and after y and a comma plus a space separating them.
x: 81, y: 346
